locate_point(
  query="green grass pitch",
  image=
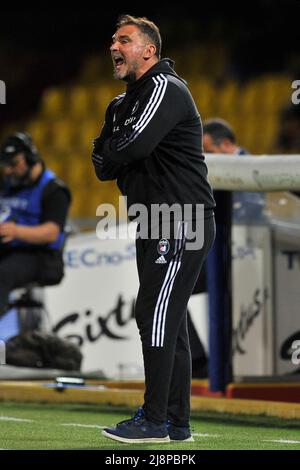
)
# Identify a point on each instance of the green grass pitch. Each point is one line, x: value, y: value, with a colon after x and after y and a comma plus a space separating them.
x: 51, y: 427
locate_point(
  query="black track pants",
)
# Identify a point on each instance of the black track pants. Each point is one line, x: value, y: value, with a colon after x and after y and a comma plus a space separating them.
x: 19, y: 268
x: 16, y: 270
x: 161, y: 306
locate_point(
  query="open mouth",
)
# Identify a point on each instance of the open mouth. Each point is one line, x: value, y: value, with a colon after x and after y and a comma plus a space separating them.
x: 118, y: 61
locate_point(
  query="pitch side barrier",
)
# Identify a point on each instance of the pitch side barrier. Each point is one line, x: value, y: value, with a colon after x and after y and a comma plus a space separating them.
x: 263, y: 173
x: 254, y: 173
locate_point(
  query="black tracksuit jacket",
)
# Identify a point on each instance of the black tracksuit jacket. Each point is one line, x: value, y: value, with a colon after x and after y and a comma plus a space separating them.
x: 151, y: 142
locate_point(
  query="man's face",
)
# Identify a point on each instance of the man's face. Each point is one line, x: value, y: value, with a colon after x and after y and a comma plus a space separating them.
x: 16, y: 170
x: 209, y: 146
x: 127, y: 51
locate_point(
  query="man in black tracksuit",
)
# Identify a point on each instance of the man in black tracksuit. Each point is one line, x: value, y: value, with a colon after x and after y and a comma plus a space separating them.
x: 151, y: 143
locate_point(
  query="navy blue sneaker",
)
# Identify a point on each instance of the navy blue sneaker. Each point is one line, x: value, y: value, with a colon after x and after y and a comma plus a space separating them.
x: 140, y: 413
x: 179, y: 433
x: 138, y: 430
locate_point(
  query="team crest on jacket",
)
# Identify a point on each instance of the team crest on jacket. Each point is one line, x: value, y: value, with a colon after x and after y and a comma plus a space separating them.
x: 163, y: 247
x: 135, y: 107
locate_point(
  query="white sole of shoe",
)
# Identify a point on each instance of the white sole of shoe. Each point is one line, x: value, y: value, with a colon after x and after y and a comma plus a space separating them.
x: 136, y: 441
x: 189, y: 439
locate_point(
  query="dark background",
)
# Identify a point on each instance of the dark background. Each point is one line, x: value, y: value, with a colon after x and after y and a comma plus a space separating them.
x: 45, y: 46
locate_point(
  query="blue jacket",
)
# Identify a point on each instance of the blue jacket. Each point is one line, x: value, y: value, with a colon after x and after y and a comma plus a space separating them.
x: 24, y: 206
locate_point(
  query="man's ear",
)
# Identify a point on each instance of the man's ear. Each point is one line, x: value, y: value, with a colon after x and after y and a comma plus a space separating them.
x: 150, y: 51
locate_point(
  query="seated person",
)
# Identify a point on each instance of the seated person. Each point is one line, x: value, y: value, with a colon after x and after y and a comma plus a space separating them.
x: 34, y: 205
x: 247, y: 207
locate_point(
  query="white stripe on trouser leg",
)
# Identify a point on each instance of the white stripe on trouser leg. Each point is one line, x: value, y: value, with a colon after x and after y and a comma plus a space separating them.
x: 165, y: 291
x: 158, y: 302
x: 162, y: 319
x: 165, y: 283
x: 183, y: 229
x: 168, y: 278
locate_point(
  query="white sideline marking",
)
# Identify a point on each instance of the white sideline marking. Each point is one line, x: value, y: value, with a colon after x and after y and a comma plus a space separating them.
x: 10, y: 418
x: 103, y: 427
x: 199, y: 434
x: 83, y: 425
x: 282, y: 441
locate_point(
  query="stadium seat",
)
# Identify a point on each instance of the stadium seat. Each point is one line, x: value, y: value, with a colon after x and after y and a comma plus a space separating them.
x: 62, y: 134
x: 205, y: 97
x: 275, y: 91
x: 79, y: 103
x: 228, y: 99
x: 53, y: 103
x: 103, y: 95
x: 87, y: 132
x: 58, y: 166
x: 39, y: 131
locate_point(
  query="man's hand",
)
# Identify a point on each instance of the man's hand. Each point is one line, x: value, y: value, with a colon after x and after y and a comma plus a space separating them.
x: 38, y: 234
x: 8, y: 231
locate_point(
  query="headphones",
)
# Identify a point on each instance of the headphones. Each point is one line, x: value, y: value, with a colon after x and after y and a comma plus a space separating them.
x: 20, y: 142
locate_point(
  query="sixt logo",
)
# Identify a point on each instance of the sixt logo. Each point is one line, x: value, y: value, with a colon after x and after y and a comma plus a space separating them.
x: 2, y: 92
